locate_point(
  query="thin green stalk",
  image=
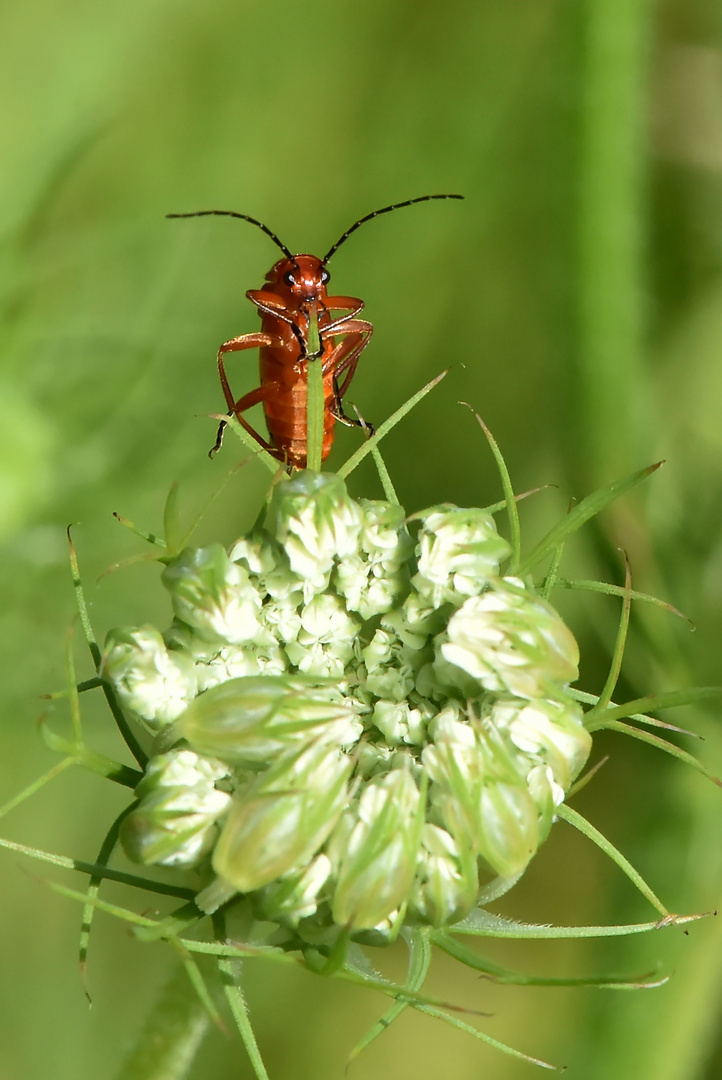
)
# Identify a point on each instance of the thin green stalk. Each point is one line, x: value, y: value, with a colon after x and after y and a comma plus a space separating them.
x: 230, y: 975
x: 314, y: 415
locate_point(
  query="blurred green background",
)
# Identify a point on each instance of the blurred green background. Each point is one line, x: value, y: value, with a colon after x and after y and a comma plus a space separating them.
x: 576, y: 295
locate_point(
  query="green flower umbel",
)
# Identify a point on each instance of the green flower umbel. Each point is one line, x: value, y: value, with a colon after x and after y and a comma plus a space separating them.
x: 359, y: 720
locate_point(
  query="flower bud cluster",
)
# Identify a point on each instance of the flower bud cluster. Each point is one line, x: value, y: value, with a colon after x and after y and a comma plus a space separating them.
x: 358, y: 719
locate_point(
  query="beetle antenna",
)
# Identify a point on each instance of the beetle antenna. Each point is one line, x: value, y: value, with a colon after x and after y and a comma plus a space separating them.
x: 375, y: 213
x: 253, y: 221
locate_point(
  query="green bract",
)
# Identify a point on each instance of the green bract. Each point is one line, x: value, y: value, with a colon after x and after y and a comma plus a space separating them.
x: 359, y: 720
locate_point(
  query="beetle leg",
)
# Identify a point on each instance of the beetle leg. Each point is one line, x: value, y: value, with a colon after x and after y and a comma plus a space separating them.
x: 342, y: 362
x: 269, y: 304
x: 343, y: 303
x: 253, y: 397
x: 344, y: 357
x: 246, y: 341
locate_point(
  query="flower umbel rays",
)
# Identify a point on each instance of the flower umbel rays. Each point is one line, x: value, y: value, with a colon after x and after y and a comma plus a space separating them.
x: 358, y: 720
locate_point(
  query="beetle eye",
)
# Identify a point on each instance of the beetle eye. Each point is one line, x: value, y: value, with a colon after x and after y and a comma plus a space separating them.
x: 289, y: 279
x: 325, y: 276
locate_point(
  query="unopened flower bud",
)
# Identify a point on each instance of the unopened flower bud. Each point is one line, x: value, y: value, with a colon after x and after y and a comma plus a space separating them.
x: 282, y: 818
x: 295, y: 896
x: 252, y: 719
x: 255, y: 553
x: 174, y: 824
x: 399, y: 723
x: 391, y: 667
x: 325, y: 641
x: 373, y: 579
x: 447, y: 881
x: 374, y: 850
x: 213, y: 595
x: 151, y: 682
x: 508, y: 822
x: 316, y: 523
x: 511, y: 641
x: 550, y: 731
x: 454, y: 762
x: 547, y: 795
x: 282, y: 618
x: 268, y: 567
x: 458, y: 552
x: 480, y: 795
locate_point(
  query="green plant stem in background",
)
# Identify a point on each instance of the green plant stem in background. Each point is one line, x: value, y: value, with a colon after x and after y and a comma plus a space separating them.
x: 171, y: 1036
x: 612, y: 200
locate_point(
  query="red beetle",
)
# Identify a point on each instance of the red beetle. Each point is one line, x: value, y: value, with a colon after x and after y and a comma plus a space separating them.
x: 297, y: 327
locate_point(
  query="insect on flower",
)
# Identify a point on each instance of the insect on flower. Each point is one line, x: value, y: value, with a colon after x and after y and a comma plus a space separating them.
x: 298, y: 327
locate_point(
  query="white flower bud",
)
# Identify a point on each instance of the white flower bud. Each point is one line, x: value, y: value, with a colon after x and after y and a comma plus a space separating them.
x: 153, y: 684
x: 316, y: 523
x: 282, y: 618
x: 399, y: 723
x: 375, y: 577
x: 252, y: 719
x: 458, y: 552
x: 391, y: 667
x: 325, y: 643
x: 511, y: 641
x: 174, y: 824
x: 374, y: 852
x: 446, y: 882
x: 255, y: 553
x: 549, y: 731
x: 278, y: 823
x: 213, y: 595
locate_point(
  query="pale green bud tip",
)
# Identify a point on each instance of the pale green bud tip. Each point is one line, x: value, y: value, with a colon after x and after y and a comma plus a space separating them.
x: 281, y: 820
x: 174, y: 823
x: 252, y: 719
x: 374, y: 851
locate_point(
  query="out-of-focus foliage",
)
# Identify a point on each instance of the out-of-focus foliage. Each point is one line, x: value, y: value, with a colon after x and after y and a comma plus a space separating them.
x: 576, y: 293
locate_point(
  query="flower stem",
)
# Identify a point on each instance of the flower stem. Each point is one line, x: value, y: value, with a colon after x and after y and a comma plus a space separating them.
x: 171, y: 1036
x: 315, y: 415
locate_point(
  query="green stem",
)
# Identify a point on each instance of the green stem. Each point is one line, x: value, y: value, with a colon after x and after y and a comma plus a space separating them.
x: 611, y: 233
x: 314, y: 415
x: 172, y: 1034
